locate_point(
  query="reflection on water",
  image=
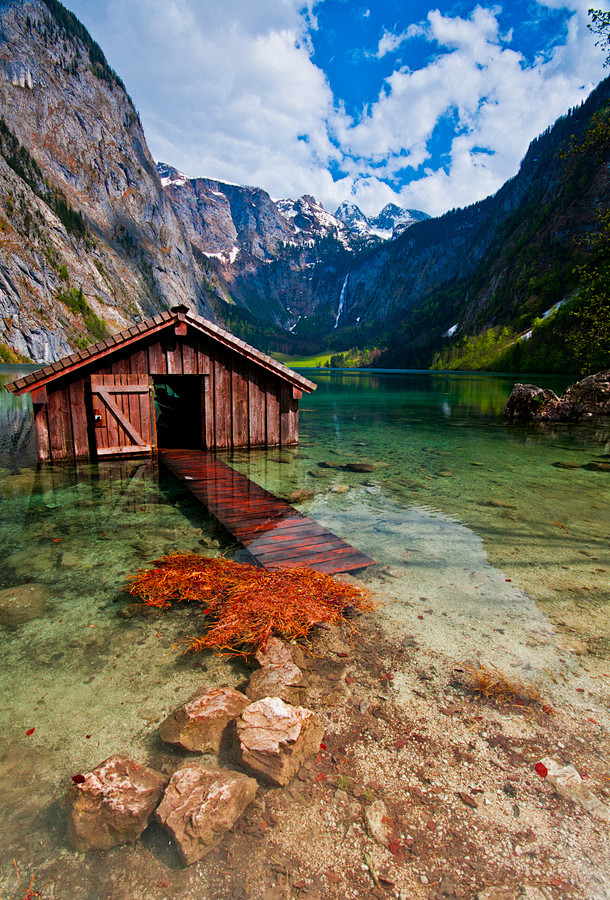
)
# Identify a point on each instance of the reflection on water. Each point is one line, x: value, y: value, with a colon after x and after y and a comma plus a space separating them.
x: 17, y: 438
x: 464, y: 515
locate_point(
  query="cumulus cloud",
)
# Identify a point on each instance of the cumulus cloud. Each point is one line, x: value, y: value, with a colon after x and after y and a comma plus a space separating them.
x: 232, y: 91
x: 497, y: 103
x: 224, y: 90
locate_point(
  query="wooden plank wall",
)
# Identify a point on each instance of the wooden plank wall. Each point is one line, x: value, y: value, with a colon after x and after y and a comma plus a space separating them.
x: 243, y: 405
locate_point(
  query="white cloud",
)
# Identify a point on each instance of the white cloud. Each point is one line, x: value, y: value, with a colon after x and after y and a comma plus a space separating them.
x: 224, y: 90
x: 499, y: 104
x: 389, y: 41
x: 231, y: 90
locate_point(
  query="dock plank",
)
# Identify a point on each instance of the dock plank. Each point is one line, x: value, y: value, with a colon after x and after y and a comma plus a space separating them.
x: 276, y: 534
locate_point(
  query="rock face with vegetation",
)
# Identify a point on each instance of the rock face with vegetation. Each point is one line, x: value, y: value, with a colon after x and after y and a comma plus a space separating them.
x: 89, y: 241
x: 277, y: 262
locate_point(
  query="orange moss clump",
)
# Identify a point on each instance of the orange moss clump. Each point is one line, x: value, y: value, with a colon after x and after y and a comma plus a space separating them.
x: 247, y: 605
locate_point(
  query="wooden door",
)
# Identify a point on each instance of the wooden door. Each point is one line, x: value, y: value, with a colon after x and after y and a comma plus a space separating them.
x: 124, y: 414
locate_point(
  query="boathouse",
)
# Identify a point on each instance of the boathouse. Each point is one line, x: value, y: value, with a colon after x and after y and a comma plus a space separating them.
x: 173, y: 381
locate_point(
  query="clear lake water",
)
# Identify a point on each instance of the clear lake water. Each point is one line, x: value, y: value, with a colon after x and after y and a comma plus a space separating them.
x: 485, y: 548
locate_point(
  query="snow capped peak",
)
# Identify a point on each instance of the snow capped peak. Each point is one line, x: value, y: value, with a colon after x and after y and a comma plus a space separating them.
x: 354, y: 218
x: 391, y: 221
x: 309, y: 218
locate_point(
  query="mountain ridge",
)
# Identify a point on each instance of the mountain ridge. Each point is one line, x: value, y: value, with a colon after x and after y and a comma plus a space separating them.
x: 94, y: 235
x: 70, y: 117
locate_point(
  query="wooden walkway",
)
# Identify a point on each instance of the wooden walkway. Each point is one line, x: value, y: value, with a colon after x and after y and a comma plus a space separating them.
x: 276, y: 534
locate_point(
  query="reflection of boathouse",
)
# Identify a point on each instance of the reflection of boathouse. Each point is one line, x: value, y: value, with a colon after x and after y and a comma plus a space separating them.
x: 174, y: 381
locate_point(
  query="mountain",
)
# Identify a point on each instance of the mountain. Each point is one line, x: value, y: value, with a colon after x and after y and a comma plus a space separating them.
x: 271, y: 259
x: 94, y: 235
x: 391, y: 221
x: 278, y: 261
x: 496, y: 267
x: 89, y: 241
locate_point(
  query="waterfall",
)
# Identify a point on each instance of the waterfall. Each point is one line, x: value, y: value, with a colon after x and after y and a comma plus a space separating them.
x: 341, y: 300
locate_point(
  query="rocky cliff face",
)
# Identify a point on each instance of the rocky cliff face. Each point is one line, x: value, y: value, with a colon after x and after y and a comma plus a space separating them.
x: 88, y: 238
x: 267, y: 257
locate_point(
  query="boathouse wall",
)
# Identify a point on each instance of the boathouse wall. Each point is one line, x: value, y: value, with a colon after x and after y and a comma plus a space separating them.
x: 243, y: 404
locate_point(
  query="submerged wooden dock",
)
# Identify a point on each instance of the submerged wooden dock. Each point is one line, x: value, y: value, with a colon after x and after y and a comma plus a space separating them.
x: 275, y: 534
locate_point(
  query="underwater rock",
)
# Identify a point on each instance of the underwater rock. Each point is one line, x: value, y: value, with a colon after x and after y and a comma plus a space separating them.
x: 597, y: 466
x: 274, y: 738
x: 329, y: 465
x: 29, y: 562
x: 201, y: 804
x: 566, y: 465
x: 299, y: 495
x: 283, y: 680
x: 69, y: 559
x: 200, y: 723
x: 112, y: 804
x: 22, y: 603
x: 132, y: 610
x: 340, y: 489
x: 359, y: 467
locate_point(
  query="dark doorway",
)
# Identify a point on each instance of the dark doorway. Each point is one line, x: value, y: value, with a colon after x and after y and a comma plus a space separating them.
x: 179, y: 411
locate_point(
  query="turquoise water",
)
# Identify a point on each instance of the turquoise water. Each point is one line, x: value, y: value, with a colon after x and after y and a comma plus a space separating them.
x: 469, y: 520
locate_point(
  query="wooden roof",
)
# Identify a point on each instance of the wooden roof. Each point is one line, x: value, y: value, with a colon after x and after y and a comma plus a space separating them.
x: 136, y: 333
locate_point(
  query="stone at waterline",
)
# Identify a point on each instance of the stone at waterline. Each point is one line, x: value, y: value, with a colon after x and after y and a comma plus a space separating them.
x: 22, y: 603
x: 201, y: 804
x: 274, y: 739
x: 377, y: 822
x: 283, y: 680
x: 528, y: 402
x: 568, y: 783
x: 200, y: 724
x: 276, y: 652
x: 113, y: 804
x: 591, y: 396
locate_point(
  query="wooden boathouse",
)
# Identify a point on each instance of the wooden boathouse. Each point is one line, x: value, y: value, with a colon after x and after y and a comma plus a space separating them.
x: 173, y: 381
x: 180, y: 386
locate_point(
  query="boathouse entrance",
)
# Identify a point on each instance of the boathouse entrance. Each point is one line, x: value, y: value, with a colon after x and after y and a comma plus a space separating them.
x: 180, y: 411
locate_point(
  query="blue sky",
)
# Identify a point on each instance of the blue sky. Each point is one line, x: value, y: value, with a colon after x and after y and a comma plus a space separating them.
x: 427, y: 106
